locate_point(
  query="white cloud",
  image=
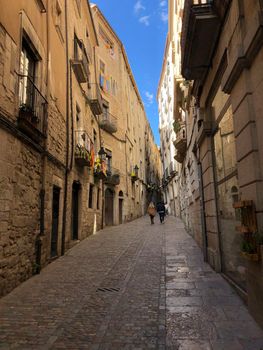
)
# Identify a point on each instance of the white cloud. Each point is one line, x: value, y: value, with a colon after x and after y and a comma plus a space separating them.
x: 138, y: 6
x: 149, y: 97
x: 163, y: 3
x: 145, y: 20
x: 164, y: 16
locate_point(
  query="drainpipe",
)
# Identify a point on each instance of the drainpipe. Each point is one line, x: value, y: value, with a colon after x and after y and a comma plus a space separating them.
x: 202, y: 206
x: 220, y: 255
x: 39, y: 238
x: 67, y: 139
x: 173, y: 197
x: 100, y: 142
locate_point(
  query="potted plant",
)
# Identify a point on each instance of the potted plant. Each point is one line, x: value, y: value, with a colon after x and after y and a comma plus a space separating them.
x: 252, y: 246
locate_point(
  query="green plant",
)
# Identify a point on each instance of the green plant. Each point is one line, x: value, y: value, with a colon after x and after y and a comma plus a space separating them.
x: 258, y: 237
x: 251, y: 243
x: 35, y: 268
x: 248, y: 247
x: 177, y: 126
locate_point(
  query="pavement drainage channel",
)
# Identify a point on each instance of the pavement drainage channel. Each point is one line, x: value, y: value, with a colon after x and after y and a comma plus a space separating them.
x: 103, y: 290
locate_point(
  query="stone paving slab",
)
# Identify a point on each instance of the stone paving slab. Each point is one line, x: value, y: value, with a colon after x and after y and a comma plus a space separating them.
x: 202, y: 310
x: 134, y: 286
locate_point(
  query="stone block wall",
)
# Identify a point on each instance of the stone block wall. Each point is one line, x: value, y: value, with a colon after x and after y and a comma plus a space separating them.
x: 20, y: 177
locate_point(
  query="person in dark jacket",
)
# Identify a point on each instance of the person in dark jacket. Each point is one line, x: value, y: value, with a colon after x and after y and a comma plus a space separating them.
x: 161, y: 211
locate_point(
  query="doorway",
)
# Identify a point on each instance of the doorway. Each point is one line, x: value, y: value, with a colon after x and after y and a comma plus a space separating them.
x: 75, y: 210
x: 120, y: 207
x: 55, y: 222
x: 109, y: 194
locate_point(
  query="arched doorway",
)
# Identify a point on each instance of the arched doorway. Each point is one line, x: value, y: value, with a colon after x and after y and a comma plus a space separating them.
x: 120, y: 207
x: 109, y: 194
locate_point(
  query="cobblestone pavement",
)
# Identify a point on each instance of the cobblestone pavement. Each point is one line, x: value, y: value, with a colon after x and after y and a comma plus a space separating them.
x: 108, y: 292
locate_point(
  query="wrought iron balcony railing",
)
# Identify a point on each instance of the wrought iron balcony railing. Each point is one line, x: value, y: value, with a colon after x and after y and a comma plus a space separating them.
x: 108, y: 122
x: 80, y: 62
x: 32, y: 108
x: 95, y: 99
x: 172, y: 169
x: 84, y: 149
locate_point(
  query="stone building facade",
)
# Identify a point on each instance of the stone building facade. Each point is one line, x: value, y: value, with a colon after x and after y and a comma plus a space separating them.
x: 166, y: 107
x: 221, y: 170
x: 54, y: 164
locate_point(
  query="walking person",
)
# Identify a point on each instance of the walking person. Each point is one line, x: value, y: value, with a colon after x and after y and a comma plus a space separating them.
x: 152, y: 212
x: 161, y: 211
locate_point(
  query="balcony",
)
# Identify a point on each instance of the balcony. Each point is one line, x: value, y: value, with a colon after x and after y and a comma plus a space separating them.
x: 113, y: 177
x: 164, y: 182
x: 84, y: 151
x: 179, y: 157
x: 32, y: 109
x: 166, y: 174
x: 100, y: 169
x: 200, y: 28
x: 80, y: 63
x: 172, y: 169
x: 181, y: 143
x: 95, y: 99
x: 108, y: 122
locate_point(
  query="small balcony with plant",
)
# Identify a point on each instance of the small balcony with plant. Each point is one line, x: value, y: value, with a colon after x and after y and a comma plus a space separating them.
x: 32, y: 109
x: 108, y: 122
x: 113, y: 177
x: 151, y: 187
x: 100, y: 169
x: 84, y: 150
x: 252, y: 237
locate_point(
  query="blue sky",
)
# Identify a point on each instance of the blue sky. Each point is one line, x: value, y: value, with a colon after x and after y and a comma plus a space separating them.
x: 142, y: 27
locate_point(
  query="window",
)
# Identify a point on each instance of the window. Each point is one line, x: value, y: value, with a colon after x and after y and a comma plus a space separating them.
x: 78, y: 113
x: 133, y: 190
x: 42, y: 6
x: 95, y: 142
x: 108, y: 160
x: 107, y: 42
x: 98, y: 199
x: 28, y: 62
x: 105, y: 109
x: 32, y: 104
x: 91, y: 186
x: 102, y: 70
x: 78, y: 4
x: 58, y: 18
x: 102, y: 67
x: 58, y: 14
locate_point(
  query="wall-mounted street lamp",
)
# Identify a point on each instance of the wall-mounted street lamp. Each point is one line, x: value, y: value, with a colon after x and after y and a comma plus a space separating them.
x: 102, y: 154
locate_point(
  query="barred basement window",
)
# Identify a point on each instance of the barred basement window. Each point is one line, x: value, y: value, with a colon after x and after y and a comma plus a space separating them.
x: 98, y: 199
x: 91, y: 186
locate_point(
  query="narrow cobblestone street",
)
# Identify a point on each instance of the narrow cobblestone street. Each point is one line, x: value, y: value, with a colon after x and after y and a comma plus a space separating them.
x: 109, y: 292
